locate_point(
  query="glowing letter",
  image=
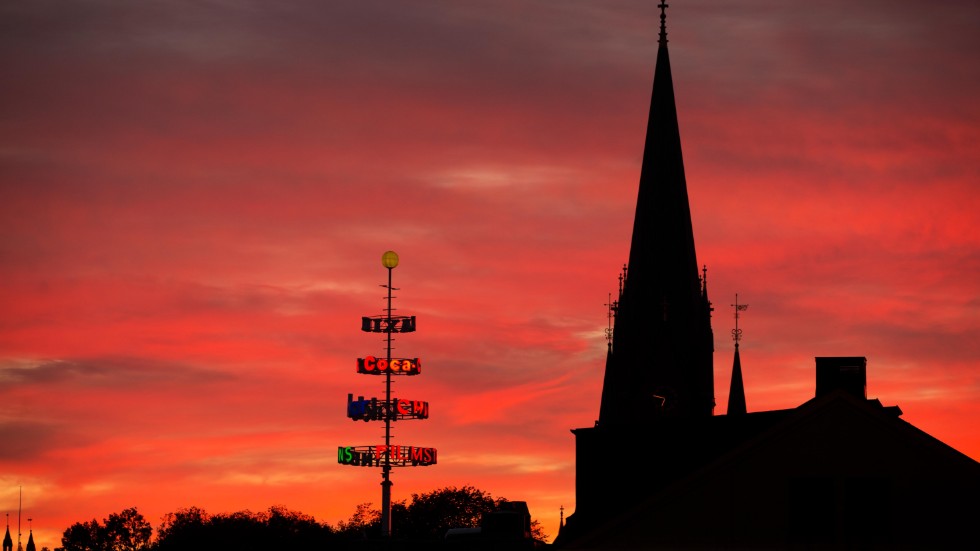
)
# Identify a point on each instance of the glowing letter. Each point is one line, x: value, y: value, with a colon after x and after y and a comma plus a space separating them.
x: 344, y: 455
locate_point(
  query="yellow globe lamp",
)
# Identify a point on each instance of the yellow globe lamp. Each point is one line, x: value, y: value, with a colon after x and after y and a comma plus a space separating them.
x: 389, y: 259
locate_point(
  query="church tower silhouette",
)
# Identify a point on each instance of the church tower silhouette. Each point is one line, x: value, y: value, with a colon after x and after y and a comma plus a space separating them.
x: 659, y: 470
x: 659, y: 364
x: 660, y: 360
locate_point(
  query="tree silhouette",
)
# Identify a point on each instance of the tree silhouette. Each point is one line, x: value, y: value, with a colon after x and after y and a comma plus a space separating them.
x: 365, y: 523
x: 128, y: 531
x: 123, y: 531
x: 278, y: 528
x: 291, y: 530
x: 426, y: 518
x: 184, y: 529
x: 83, y: 536
x: 431, y: 514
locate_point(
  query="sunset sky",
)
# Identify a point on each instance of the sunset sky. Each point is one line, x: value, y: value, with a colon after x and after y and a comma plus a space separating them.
x: 195, y: 197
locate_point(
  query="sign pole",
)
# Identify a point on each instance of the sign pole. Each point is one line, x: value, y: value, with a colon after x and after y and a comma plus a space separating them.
x: 386, y: 469
x: 387, y: 409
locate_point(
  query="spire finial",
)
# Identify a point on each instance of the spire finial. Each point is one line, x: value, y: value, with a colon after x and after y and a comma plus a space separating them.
x: 622, y: 279
x: 663, y: 22
x: 737, y: 333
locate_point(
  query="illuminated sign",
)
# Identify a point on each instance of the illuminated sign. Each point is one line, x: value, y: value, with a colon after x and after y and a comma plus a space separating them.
x: 374, y: 456
x: 396, y: 366
x: 379, y: 410
x: 388, y: 324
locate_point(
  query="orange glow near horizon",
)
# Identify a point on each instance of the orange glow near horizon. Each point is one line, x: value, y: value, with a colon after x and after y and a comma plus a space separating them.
x: 193, y: 202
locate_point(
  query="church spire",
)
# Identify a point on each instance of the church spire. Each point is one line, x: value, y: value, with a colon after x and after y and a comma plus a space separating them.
x: 659, y: 378
x: 8, y: 542
x: 660, y: 361
x: 30, y: 537
x: 736, y: 392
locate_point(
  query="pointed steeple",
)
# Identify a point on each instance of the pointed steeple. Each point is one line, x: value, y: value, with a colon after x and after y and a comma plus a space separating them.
x: 736, y: 392
x: 659, y: 376
x: 660, y: 361
x: 8, y: 542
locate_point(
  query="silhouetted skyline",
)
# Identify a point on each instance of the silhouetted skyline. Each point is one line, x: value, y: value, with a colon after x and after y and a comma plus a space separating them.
x: 194, y: 199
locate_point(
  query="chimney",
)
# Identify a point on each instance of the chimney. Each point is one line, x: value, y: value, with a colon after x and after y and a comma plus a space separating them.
x: 843, y: 372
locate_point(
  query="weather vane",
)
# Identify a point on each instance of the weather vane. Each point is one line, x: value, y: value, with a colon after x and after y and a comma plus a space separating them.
x: 737, y: 333
x: 613, y: 306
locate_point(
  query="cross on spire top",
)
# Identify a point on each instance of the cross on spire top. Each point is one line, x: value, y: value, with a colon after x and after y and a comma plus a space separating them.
x: 663, y: 22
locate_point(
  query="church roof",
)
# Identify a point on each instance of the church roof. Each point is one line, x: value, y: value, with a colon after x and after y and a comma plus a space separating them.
x: 745, y: 494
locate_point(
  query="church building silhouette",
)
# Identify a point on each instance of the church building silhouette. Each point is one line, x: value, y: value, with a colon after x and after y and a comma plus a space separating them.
x: 659, y: 470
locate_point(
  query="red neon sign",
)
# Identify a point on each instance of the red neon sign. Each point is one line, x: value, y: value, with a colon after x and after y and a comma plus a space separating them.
x: 396, y: 366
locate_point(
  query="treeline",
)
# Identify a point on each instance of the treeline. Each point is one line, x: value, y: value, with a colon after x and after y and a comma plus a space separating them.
x: 426, y: 517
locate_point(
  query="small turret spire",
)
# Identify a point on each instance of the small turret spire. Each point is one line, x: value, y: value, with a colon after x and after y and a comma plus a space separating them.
x: 663, y: 22
x: 736, y: 393
x: 8, y: 542
x: 30, y: 536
